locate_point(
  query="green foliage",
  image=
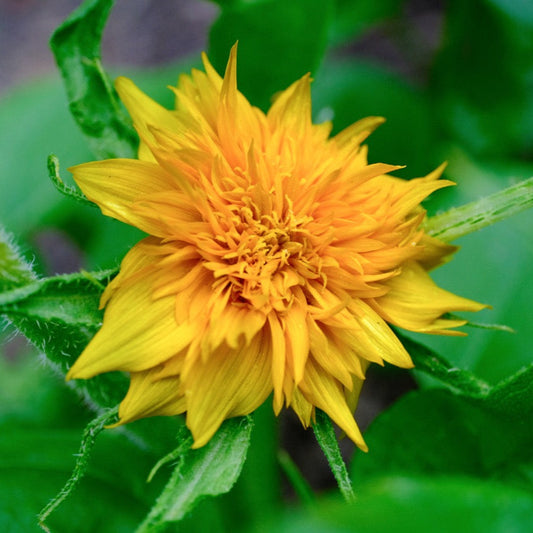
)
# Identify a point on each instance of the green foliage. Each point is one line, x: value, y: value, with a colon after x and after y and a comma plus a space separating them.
x: 436, y: 433
x: 325, y: 435
x: 208, y: 471
x: 92, y: 100
x: 416, y: 504
x: 14, y: 271
x: 458, y: 456
x: 463, y: 220
x: 486, y: 66
x: 82, y: 462
x: 511, y: 398
x: 348, y: 90
x: 352, y: 17
x: 291, y: 53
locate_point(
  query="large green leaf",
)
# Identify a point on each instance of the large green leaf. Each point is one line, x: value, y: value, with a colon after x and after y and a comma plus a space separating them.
x: 34, y: 465
x: 510, y: 398
x: 352, y: 17
x: 92, y: 99
x: 279, y: 42
x: 346, y: 91
x: 60, y: 316
x: 482, y: 79
x: 417, y: 505
x: 435, y: 432
x: 208, y: 471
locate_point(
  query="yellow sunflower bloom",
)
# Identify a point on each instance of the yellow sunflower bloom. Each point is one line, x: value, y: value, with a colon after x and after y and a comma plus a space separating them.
x: 276, y: 258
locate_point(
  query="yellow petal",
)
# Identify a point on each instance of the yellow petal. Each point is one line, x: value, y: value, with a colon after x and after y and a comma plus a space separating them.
x: 297, y: 340
x: 371, y: 338
x: 147, y: 397
x: 138, y: 333
x: 326, y: 393
x: 144, y: 111
x: 115, y: 184
x: 352, y: 394
x: 327, y: 356
x: 292, y: 108
x: 277, y: 347
x: 357, y: 132
x: 303, y: 409
x: 231, y: 382
x: 415, y: 303
x: 434, y: 252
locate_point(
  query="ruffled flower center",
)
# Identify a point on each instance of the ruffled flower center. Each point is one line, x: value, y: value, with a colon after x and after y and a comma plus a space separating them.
x: 261, y: 256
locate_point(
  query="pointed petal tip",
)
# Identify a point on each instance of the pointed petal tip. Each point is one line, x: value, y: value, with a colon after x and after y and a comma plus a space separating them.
x: 116, y: 424
x: 122, y: 83
x: 201, y: 438
x: 75, y: 372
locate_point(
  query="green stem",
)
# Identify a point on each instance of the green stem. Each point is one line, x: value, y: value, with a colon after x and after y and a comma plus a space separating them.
x: 325, y: 435
x: 297, y: 481
x: 88, y: 440
x: 461, y: 221
x: 61, y: 186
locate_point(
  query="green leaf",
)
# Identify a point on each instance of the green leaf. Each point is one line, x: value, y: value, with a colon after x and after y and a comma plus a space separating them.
x: 520, y: 11
x: 434, y: 432
x: 346, y: 91
x: 92, y: 99
x: 34, y: 464
x: 486, y: 65
x: 208, y: 471
x: 511, y: 398
x: 400, y: 504
x: 352, y: 17
x: 14, y: 271
x: 279, y: 42
x: 67, y: 190
x: 88, y: 440
x: 431, y: 363
x: 69, y: 299
x: 325, y: 435
x: 59, y: 316
x: 461, y: 221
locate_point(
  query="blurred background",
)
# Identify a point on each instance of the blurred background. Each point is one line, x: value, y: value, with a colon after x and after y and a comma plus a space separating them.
x: 454, y: 80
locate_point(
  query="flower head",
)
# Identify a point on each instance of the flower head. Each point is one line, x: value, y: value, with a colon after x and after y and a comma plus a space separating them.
x: 276, y: 258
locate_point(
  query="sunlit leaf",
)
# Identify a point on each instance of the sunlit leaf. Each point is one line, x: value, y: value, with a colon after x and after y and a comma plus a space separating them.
x: 59, y: 316
x: 481, y: 213
x: 402, y: 504
x: 92, y: 99
x: 325, y: 435
x: 208, y: 471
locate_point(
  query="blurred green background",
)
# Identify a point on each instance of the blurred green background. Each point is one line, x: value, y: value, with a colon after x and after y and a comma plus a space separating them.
x: 454, y: 79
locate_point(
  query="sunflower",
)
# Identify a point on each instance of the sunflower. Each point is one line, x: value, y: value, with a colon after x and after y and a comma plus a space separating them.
x: 275, y: 260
